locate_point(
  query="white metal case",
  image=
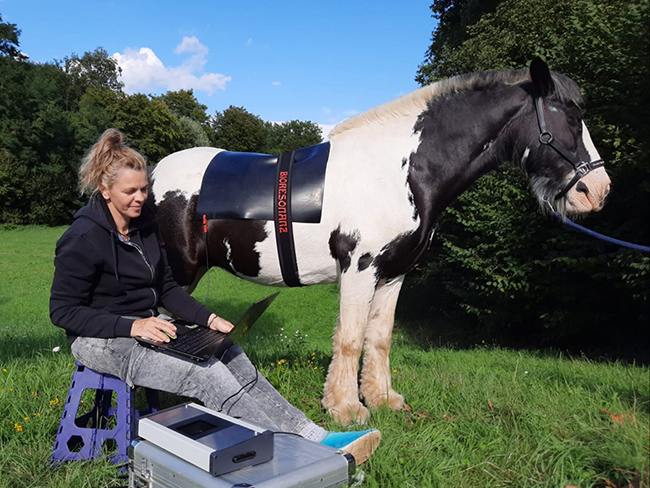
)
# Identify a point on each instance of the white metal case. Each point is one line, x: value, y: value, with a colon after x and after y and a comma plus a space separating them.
x: 297, y: 462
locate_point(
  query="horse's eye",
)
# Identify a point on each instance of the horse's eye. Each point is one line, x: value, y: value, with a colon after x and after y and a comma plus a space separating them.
x: 574, y: 117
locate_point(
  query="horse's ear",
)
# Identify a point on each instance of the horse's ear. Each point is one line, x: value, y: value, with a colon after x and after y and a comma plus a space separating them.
x: 541, y: 76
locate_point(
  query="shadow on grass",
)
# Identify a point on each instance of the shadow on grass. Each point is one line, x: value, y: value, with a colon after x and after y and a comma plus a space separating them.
x: 24, y: 346
x: 420, y: 316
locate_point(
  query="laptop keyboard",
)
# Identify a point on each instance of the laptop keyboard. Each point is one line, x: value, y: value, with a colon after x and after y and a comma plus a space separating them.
x: 196, y: 340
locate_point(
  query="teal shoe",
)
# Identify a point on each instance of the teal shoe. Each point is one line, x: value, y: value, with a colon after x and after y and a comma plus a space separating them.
x: 361, y: 444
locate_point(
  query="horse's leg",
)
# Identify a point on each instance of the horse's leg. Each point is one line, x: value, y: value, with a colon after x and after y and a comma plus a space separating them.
x: 376, y: 375
x: 341, y: 391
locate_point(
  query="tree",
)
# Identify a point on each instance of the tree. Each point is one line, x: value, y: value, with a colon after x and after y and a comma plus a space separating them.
x: 288, y: 136
x: 95, y: 113
x: 149, y: 126
x: 50, y: 114
x: 184, y: 103
x: 191, y: 115
x: 9, y: 35
x: 193, y: 133
x: 94, y: 69
x: 35, y: 130
x: 454, y: 18
x: 14, y: 201
x: 236, y: 129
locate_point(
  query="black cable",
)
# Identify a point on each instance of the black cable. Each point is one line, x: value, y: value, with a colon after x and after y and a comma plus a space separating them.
x: 207, y: 260
x: 251, y: 383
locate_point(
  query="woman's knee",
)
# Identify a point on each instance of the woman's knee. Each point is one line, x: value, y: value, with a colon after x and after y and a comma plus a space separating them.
x: 103, y: 355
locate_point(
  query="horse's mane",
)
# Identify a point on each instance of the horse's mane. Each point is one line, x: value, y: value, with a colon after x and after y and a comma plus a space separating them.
x: 417, y: 101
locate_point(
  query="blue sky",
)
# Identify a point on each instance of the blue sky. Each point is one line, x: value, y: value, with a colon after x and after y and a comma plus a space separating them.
x: 279, y: 59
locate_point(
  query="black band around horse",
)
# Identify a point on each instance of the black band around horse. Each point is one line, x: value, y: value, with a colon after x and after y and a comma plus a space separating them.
x: 283, y: 221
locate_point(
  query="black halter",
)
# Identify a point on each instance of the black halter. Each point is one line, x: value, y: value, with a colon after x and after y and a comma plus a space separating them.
x: 545, y: 137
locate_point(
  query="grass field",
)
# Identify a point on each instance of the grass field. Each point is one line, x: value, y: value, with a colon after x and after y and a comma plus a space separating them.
x: 478, y: 417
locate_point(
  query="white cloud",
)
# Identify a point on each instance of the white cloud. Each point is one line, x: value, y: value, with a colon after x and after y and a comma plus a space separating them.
x: 143, y: 71
x: 276, y: 83
x: 249, y: 42
x: 191, y: 45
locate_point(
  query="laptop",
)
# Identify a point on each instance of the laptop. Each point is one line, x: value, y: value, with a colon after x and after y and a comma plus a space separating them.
x: 201, y: 344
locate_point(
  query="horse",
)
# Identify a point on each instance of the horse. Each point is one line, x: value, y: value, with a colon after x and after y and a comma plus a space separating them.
x: 391, y: 171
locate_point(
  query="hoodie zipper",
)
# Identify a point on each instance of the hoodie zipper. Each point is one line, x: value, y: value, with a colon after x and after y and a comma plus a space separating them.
x: 144, y: 258
x: 151, y: 270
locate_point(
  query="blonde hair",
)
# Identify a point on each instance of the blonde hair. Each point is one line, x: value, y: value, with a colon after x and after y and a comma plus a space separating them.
x: 108, y: 155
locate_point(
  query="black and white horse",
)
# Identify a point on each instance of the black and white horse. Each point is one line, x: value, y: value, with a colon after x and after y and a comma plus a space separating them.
x: 390, y: 173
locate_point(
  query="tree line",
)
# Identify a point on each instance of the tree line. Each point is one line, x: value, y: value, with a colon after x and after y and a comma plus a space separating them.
x: 497, y: 263
x: 51, y: 113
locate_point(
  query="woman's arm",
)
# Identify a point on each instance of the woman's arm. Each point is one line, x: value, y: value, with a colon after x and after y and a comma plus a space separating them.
x: 77, y: 268
x: 217, y: 323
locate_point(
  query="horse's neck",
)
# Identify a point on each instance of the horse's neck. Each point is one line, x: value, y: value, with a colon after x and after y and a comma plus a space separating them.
x: 462, y: 138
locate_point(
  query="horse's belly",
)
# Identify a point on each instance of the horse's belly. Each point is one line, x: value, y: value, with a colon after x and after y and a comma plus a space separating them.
x: 315, y: 263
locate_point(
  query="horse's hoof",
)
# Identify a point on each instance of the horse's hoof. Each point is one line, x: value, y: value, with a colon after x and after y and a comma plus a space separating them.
x: 396, y: 401
x: 350, y: 414
x: 393, y: 399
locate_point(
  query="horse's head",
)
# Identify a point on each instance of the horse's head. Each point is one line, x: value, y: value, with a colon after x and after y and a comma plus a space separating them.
x: 565, y: 170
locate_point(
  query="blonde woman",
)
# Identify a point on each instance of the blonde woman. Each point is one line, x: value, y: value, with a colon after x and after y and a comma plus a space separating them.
x: 111, y: 276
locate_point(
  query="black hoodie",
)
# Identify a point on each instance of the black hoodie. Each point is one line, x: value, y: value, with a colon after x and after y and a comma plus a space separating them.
x: 99, y: 280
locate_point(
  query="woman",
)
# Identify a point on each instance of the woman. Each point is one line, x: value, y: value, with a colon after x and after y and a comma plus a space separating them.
x: 111, y: 276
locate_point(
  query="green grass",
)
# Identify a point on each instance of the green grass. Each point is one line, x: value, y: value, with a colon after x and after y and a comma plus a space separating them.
x: 480, y: 417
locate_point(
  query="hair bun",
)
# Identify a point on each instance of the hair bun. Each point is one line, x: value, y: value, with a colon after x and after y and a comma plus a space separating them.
x: 113, y: 138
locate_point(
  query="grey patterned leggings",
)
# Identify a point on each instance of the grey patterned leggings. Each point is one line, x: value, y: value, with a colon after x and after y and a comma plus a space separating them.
x: 214, y: 382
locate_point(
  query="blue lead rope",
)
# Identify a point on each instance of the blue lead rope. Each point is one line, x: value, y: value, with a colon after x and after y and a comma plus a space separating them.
x: 602, y: 237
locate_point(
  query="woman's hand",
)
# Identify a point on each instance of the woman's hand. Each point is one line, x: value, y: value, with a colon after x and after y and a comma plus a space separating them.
x: 217, y: 323
x: 153, y: 328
